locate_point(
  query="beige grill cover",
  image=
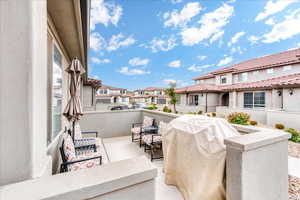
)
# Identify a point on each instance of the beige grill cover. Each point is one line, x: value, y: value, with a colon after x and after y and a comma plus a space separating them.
x: 194, y: 156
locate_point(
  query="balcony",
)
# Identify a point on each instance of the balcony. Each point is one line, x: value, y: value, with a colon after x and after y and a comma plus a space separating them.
x: 129, y: 174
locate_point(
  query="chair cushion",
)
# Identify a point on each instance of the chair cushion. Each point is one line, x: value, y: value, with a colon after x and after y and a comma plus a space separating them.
x: 84, y: 165
x: 148, y: 138
x: 68, y: 148
x: 148, y: 121
x: 136, y: 130
x: 77, y: 132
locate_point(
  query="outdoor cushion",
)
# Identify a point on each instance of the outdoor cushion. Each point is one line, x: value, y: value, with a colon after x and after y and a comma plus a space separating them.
x: 136, y: 130
x: 84, y: 165
x: 68, y: 148
x: 148, y: 138
x: 148, y: 121
x: 77, y: 132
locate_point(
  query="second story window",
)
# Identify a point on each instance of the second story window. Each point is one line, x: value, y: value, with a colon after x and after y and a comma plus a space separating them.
x: 270, y: 71
x: 286, y: 68
x: 243, y: 77
x: 103, y: 91
x: 223, y: 80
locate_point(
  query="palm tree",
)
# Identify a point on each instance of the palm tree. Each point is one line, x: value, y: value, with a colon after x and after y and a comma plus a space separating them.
x: 172, y: 95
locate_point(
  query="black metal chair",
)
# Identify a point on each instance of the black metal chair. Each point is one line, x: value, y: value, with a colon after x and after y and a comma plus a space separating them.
x: 137, y: 129
x: 153, y: 142
x: 65, y: 163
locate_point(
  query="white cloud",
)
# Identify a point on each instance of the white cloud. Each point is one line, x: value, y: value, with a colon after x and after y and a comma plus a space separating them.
x: 179, y: 83
x: 201, y: 57
x: 253, y: 39
x: 175, y: 64
x: 236, y: 50
x: 97, y: 42
x: 96, y: 77
x: 130, y: 72
x: 270, y: 21
x: 195, y: 68
x: 211, y: 25
x: 118, y: 41
x: 236, y: 38
x: 98, y: 61
x: 225, y: 61
x: 157, y: 45
x: 181, y: 18
x: 176, y: 1
x: 216, y: 36
x: 138, y: 61
x: 298, y: 44
x: 284, y: 30
x: 274, y: 7
x: 104, y: 13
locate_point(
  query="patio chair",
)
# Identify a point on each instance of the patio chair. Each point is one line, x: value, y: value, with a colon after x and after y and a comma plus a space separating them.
x: 71, y: 161
x: 81, y: 142
x: 153, y: 142
x: 137, y: 129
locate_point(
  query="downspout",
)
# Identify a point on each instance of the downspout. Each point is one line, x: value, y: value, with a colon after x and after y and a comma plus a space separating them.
x: 282, y: 99
x: 206, y: 102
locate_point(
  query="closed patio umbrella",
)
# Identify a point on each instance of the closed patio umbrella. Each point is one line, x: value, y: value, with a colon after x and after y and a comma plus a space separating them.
x: 73, y: 109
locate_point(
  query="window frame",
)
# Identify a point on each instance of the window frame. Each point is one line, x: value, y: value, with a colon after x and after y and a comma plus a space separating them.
x: 242, y: 77
x: 270, y: 71
x: 223, y: 77
x: 253, y: 100
x: 52, y: 48
x: 287, y: 68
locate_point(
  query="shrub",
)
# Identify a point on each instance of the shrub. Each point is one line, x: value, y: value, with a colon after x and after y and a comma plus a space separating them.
x: 200, y: 112
x: 295, y: 135
x: 253, y: 122
x: 166, y: 109
x: 152, y: 107
x: 213, y: 114
x: 208, y: 115
x: 191, y: 113
x: 239, y: 118
x: 279, y: 126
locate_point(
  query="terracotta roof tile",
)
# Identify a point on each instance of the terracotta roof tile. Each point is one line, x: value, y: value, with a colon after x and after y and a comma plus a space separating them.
x: 282, y: 81
x: 283, y: 58
x: 95, y: 83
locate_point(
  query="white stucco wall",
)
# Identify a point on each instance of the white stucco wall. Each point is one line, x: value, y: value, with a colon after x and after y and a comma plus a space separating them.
x: 291, y: 102
x: 23, y: 90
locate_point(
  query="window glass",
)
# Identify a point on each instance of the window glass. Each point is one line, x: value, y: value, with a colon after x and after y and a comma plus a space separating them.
x: 254, y: 99
x: 223, y: 79
x: 248, y: 100
x: 196, y: 100
x: 243, y: 77
x: 259, y: 99
x: 286, y: 68
x: 270, y: 71
x: 56, y: 106
x: 255, y: 72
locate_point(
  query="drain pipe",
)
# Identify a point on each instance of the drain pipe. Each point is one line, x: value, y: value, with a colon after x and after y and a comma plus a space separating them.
x: 206, y: 102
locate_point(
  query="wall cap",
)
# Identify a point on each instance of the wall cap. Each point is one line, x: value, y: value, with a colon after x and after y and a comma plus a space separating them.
x: 85, y: 183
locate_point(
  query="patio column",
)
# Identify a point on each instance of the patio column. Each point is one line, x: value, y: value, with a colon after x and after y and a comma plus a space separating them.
x: 23, y: 90
x: 234, y: 99
x: 257, y: 166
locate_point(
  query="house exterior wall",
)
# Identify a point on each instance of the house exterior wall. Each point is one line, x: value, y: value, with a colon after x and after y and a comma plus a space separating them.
x: 87, y: 96
x: 262, y: 74
x: 291, y: 103
x: 23, y: 118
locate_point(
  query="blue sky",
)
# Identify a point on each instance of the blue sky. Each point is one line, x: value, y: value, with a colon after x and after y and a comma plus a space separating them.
x: 140, y: 43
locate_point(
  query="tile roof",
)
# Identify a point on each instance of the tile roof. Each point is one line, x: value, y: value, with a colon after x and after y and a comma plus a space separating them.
x: 110, y: 87
x: 283, y: 58
x: 153, y: 88
x: 278, y: 82
x: 95, y: 83
x: 208, y: 87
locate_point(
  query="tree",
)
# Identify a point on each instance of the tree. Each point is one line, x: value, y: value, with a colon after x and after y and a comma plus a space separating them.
x: 171, y: 92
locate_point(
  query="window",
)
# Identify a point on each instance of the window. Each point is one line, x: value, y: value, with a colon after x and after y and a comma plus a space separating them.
x: 223, y: 79
x: 286, y: 68
x: 255, y: 72
x: 243, y: 77
x: 56, y: 99
x: 254, y: 99
x: 270, y: 71
x: 194, y: 100
x: 103, y: 91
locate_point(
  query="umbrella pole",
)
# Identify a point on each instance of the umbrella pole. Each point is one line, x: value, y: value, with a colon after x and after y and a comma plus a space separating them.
x: 73, y: 132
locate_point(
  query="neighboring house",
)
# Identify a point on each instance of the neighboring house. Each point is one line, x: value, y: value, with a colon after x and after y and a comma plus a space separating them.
x: 150, y: 95
x: 111, y: 95
x: 90, y: 88
x: 268, y: 88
